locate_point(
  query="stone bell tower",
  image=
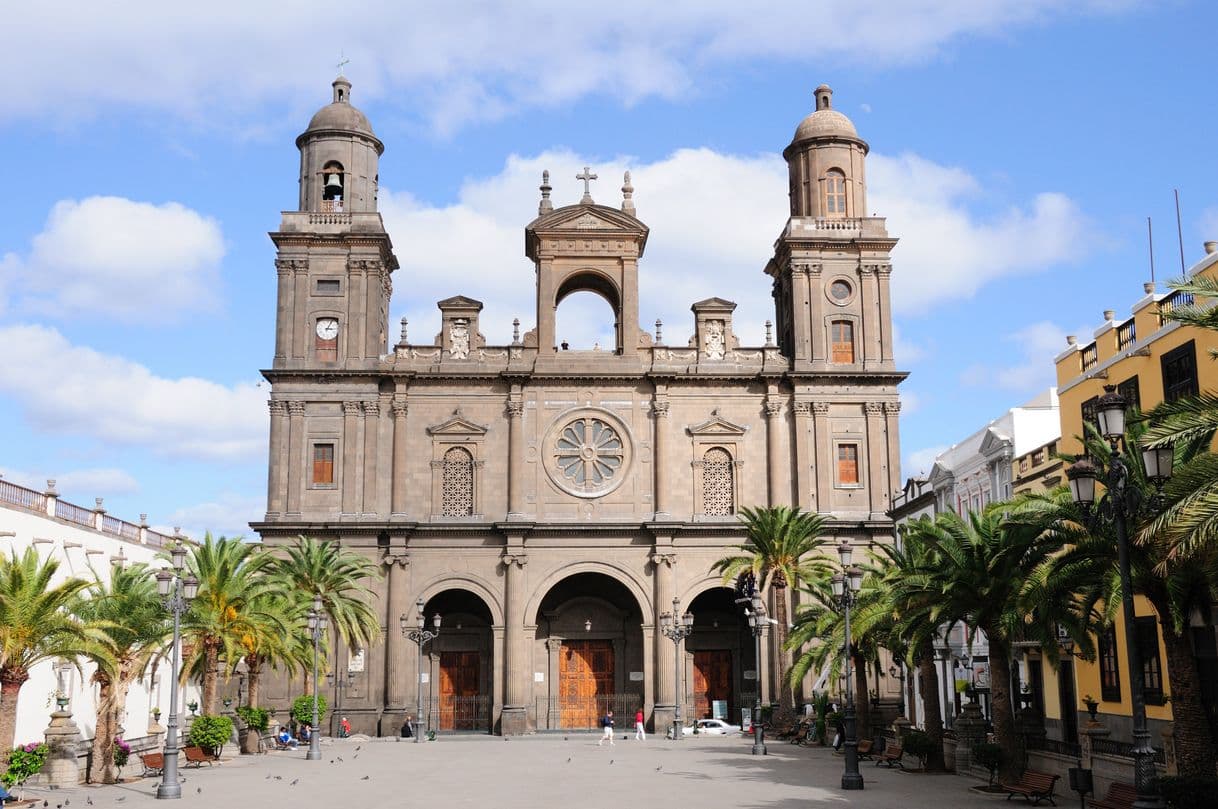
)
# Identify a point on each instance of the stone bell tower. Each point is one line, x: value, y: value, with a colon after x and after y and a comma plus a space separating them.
x: 334, y: 256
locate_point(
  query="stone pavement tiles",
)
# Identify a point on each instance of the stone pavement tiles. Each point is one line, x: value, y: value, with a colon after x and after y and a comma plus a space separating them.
x: 540, y: 772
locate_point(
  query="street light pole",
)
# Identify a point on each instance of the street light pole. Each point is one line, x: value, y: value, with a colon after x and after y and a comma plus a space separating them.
x: 317, y: 625
x: 419, y: 635
x: 677, y: 629
x: 845, y: 585
x: 757, y: 626
x: 176, y: 594
x: 1123, y: 502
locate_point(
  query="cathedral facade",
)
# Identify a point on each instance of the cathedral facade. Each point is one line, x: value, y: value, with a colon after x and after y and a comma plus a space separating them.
x: 551, y: 505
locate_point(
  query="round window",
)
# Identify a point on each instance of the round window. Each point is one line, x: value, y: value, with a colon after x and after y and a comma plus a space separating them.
x: 840, y: 290
x: 590, y: 453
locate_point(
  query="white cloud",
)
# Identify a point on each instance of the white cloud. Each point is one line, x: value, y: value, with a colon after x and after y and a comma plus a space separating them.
x: 697, y: 250
x: 78, y: 485
x: 458, y: 61
x: 228, y: 515
x: 1207, y: 224
x: 920, y: 461
x: 947, y: 251
x: 70, y: 389
x: 1037, y: 344
x: 112, y: 257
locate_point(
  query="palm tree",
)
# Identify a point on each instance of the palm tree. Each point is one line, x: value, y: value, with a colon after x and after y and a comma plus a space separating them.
x: 232, y: 585
x: 35, y: 625
x: 275, y: 623
x: 980, y: 574
x: 337, y: 576
x: 782, y: 550
x: 128, y: 611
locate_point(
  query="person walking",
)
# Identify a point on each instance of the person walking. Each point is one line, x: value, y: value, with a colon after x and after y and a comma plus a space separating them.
x: 639, y: 734
x: 607, y: 725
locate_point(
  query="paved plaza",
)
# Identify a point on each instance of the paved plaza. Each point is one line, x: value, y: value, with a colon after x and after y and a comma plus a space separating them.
x: 541, y: 772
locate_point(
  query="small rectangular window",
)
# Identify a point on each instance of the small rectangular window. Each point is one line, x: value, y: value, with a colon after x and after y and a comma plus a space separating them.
x: 329, y: 286
x: 848, y: 464
x: 1090, y: 415
x: 1133, y: 396
x: 323, y: 464
x: 842, y: 332
x: 1110, y: 674
x: 1180, y: 372
x: 1148, y: 650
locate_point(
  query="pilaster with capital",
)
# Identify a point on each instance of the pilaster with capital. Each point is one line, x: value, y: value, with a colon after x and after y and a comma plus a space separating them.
x: 883, y: 274
x: 869, y: 307
x: 280, y: 430
x: 396, y: 562
x: 356, y: 318
x: 515, y: 703
x: 372, y: 424
x: 286, y: 269
x: 805, y: 486
x: 892, y: 417
x: 663, y: 566
x: 778, y: 464
x: 659, y: 409
x: 877, y: 458
x: 296, y: 453
x: 823, y: 465
x: 801, y: 317
x: 351, y: 452
x: 816, y: 294
x: 401, y: 408
x: 301, y: 329
x: 516, y: 449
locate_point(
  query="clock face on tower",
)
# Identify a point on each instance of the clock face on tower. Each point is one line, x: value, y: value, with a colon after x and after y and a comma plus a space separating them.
x: 327, y: 328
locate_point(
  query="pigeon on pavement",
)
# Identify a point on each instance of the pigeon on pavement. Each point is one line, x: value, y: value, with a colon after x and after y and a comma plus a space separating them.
x: 365, y: 778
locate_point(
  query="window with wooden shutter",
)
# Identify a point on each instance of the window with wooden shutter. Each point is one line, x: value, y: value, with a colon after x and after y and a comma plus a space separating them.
x: 1147, y: 630
x: 835, y: 193
x: 848, y: 464
x: 842, y: 338
x: 1110, y: 673
x: 323, y: 464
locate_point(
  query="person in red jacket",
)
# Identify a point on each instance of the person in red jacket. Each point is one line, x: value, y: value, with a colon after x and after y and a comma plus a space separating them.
x: 639, y: 734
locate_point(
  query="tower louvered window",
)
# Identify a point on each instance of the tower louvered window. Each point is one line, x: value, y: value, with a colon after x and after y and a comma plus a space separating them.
x: 835, y: 193
x: 718, y: 489
x: 457, y: 486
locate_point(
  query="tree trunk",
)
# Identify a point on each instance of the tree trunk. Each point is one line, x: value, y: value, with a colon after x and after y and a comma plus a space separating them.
x: 11, y: 680
x: 211, y: 658
x: 1195, y: 749
x: 862, y: 699
x: 100, y: 769
x: 118, y: 713
x: 933, y: 720
x: 1000, y: 697
x: 253, y: 664
x: 786, y: 695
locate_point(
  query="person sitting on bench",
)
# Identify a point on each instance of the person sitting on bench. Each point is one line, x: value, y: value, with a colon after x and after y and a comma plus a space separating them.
x: 285, y: 739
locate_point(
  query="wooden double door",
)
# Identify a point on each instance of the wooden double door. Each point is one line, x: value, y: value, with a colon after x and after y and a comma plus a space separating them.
x: 585, y: 682
x: 712, y: 681
x: 460, y: 677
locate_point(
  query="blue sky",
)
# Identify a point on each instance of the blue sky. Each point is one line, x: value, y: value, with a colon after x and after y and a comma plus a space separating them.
x: 1017, y: 149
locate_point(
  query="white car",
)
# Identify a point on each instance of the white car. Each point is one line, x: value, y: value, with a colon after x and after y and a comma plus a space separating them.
x: 709, y: 727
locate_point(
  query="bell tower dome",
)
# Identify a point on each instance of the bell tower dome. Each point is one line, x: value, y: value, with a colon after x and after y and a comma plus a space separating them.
x: 825, y: 163
x: 338, y: 158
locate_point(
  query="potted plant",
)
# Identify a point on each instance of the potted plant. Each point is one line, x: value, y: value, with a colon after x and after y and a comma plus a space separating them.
x: 156, y: 715
x: 919, y: 745
x: 122, y: 753
x: 211, y: 732
x: 193, y: 705
x: 1092, y: 706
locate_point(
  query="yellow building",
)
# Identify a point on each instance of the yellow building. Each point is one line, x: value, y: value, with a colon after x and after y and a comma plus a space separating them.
x: 1037, y: 470
x: 1148, y: 360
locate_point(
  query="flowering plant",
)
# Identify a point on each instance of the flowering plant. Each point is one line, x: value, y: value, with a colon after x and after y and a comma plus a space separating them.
x: 122, y: 752
x: 25, y: 761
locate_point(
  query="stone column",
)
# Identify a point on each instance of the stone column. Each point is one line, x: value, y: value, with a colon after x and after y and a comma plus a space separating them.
x: 516, y: 450
x: 553, y: 717
x: 356, y: 314
x: 397, y: 654
x: 300, y: 317
x: 372, y: 422
x: 659, y: 459
x: 779, y: 466
x: 805, y: 486
x: 296, y: 456
x: 286, y: 306
x: 351, y: 445
x: 816, y: 293
x: 970, y: 730
x: 823, y: 462
x: 515, y: 713
x: 663, y: 563
x: 800, y: 320
x: 892, y: 415
x: 278, y: 458
x: 398, y: 498
x: 877, y: 458
x: 649, y: 664
x: 869, y: 307
x: 62, y: 737
x: 883, y: 273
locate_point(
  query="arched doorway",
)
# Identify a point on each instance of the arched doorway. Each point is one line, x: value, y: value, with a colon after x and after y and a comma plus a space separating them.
x: 460, y: 663
x: 590, y: 637
x: 721, y: 658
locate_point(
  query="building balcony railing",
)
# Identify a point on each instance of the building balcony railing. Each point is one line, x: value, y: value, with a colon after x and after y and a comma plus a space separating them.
x: 48, y: 503
x: 1176, y: 300
x: 1127, y: 334
x: 1089, y: 356
x: 1112, y: 747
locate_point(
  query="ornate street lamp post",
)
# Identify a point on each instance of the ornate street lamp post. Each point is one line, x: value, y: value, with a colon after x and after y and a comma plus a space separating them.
x: 420, y: 635
x: 318, y: 621
x: 897, y: 669
x: 1120, y: 504
x: 845, y: 585
x: 757, y: 621
x: 677, y: 629
x: 176, y: 594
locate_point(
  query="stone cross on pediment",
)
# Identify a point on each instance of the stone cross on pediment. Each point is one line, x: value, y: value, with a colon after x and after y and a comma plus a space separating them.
x: 587, y: 177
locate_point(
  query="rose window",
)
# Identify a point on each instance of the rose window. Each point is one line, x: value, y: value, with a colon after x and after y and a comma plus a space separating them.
x: 589, y: 454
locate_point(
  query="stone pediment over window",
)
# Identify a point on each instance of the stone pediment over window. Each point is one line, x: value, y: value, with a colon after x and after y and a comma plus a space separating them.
x: 995, y: 445
x: 457, y: 426
x: 940, y: 476
x: 716, y: 425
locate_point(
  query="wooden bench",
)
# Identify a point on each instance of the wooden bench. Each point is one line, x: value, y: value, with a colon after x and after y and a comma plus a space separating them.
x: 865, y: 749
x: 1034, y: 786
x: 891, y: 757
x: 153, y: 763
x: 196, y: 757
x: 1120, y: 796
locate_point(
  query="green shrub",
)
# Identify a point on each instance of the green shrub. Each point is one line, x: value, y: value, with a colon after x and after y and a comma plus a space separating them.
x: 1188, y: 791
x: 302, y: 709
x: 918, y: 744
x: 258, y: 719
x: 991, y: 756
x: 211, y: 732
x: 25, y: 761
